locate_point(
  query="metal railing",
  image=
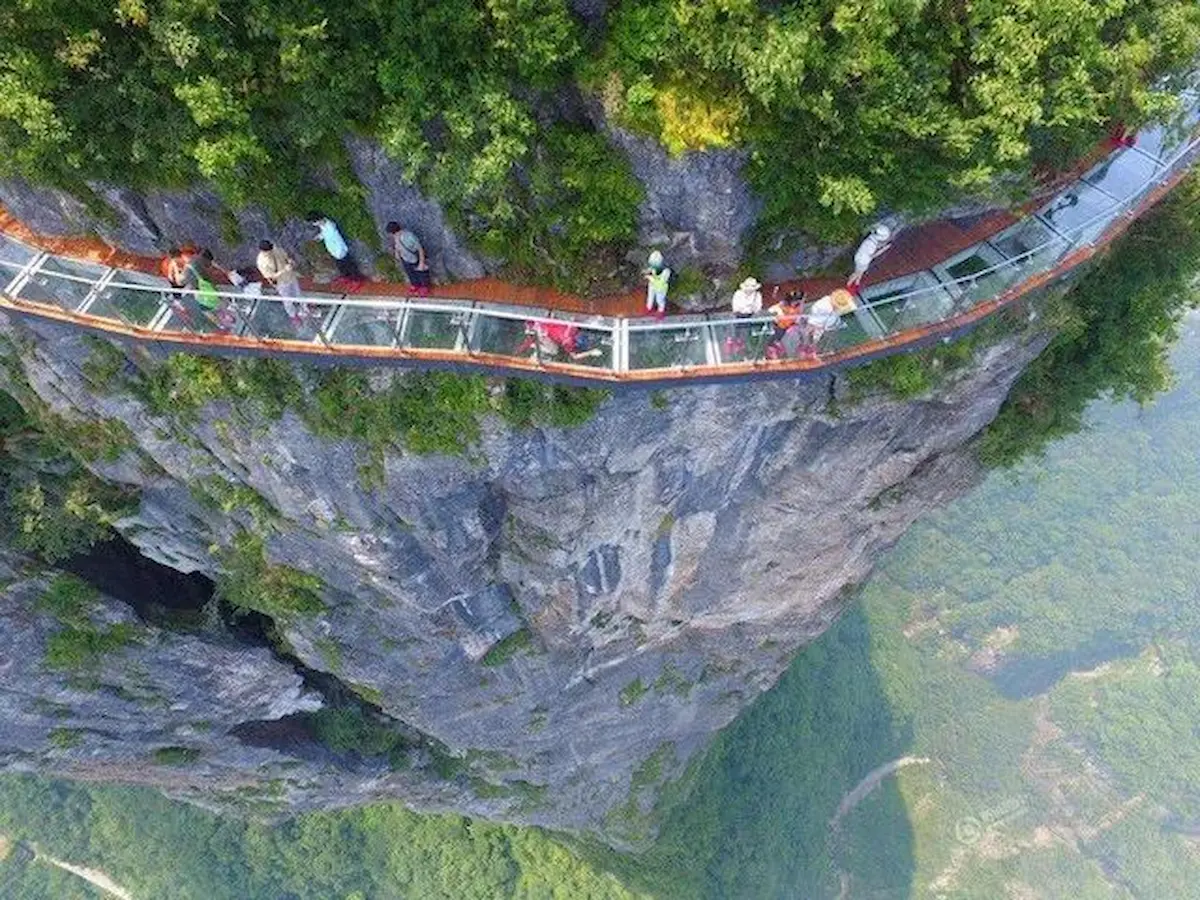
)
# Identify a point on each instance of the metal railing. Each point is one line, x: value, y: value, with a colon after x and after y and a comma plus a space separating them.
x: 406, y: 329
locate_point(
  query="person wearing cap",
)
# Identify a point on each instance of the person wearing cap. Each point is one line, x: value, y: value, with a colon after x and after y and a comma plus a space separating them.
x: 826, y: 314
x: 872, y: 246
x: 747, y: 299
x: 658, y: 280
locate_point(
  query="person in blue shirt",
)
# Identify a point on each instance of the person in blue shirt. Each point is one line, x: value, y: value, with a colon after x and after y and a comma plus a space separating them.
x: 331, y: 236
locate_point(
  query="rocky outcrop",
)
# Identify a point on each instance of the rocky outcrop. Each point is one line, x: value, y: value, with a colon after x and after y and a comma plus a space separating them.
x: 571, y: 614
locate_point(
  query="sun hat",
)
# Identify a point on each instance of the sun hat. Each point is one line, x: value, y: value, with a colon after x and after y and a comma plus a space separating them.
x: 843, y: 301
x: 656, y: 260
x: 881, y: 231
x: 750, y: 284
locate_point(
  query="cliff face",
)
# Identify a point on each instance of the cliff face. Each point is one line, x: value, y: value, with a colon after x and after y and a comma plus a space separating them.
x: 569, y: 614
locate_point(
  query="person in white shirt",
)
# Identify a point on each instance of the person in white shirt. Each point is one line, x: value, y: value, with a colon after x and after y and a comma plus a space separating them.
x: 747, y: 299
x: 875, y: 244
x: 826, y: 314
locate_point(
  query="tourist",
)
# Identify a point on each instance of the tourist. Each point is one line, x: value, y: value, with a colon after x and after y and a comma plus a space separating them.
x: 826, y: 315
x: 410, y: 253
x: 174, y: 269
x: 200, y: 276
x: 747, y: 299
x: 277, y: 268
x: 787, y: 313
x: 549, y: 339
x: 658, y: 280
x: 336, y: 245
x: 873, y: 246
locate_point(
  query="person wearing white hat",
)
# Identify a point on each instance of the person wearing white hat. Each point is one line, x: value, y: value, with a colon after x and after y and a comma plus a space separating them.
x: 747, y: 299
x: 658, y: 280
x: 874, y: 245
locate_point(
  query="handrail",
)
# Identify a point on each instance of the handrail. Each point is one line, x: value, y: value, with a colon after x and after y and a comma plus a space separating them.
x: 686, y: 347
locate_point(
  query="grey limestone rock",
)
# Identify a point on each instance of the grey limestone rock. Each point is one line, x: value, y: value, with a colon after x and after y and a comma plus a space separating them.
x: 559, y: 606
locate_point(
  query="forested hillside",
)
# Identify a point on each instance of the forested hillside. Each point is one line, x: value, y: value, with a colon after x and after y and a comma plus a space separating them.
x: 845, y: 106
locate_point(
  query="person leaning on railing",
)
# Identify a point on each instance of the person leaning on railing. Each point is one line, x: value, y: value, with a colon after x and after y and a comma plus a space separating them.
x: 826, y: 315
x: 200, y: 276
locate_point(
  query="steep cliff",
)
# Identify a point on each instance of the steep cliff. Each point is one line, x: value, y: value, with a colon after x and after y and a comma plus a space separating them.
x: 556, y: 620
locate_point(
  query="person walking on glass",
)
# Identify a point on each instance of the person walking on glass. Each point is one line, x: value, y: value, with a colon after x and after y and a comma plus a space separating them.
x: 658, y: 280
x: 410, y: 253
x: 277, y: 268
x: 331, y: 236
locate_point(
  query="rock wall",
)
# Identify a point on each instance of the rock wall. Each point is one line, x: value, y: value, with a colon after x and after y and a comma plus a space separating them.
x: 571, y: 613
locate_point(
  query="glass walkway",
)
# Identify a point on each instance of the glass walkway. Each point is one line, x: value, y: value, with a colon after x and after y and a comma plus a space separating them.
x: 932, y: 303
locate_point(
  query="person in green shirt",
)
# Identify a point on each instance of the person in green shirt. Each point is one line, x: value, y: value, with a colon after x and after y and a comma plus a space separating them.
x: 658, y: 280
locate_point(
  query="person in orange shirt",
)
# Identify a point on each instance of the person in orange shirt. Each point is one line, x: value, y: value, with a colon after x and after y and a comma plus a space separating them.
x: 788, y: 313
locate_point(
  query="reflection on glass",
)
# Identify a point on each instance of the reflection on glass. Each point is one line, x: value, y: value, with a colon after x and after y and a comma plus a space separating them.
x: 929, y: 301
x: 502, y: 335
x: 743, y: 341
x: 436, y: 329
x: 13, y: 258
x: 1080, y: 213
x: 1123, y: 174
x: 1164, y: 141
x: 367, y: 327
x: 270, y: 318
x: 128, y: 304
x: 45, y: 285
x: 664, y: 348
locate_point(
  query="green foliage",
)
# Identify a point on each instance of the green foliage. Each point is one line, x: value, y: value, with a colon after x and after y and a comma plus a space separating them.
x: 1113, y: 332
x: 427, y: 412
x: 526, y: 402
x: 347, y: 729
x: 83, y: 647
x: 183, y: 383
x: 66, y: 738
x: 175, y: 756
x: 258, y: 99
x: 248, y: 581
x: 216, y: 492
x: 633, y: 692
x: 854, y: 108
x: 69, y: 599
x: 520, y: 641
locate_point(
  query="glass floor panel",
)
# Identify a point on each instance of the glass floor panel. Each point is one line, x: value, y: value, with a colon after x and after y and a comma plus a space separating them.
x: 1165, y: 140
x: 1123, y: 174
x: 1080, y: 213
x: 682, y: 345
x: 971, y: 275
x: 436, y: 329
x: 46, y: 287
x: 367, y: 327
x: 269, y: 318
x: 932, y: 304
x: 850, y: 334
x: 126, y: 304
x: 13, y: 258
x: 567, y: 341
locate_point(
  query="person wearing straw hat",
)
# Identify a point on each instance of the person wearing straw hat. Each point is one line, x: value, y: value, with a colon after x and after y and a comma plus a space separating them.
x: 658, y: 280
x: 747, y: 299
x: 875, y: 244
x: 826, y: 314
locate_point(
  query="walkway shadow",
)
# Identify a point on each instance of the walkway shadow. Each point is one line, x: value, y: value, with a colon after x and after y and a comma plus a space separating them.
x: 756, y: 823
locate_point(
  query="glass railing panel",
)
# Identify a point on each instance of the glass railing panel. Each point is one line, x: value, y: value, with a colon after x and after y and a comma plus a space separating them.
x: 47, y: 286
x: 367, y: 326
x: 505, y: 335
x: 927, y: 301
x: 13, y: 258
x: 228, y: 317
x: 122, y: 299
x: 680, y: 344
x: 577, y: 343
x: 269, y: 318
x: 440, y: 329
x: 1080, y: 213
x: 975, y: 274
x: 743, y: 341
x: 849, y: 333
